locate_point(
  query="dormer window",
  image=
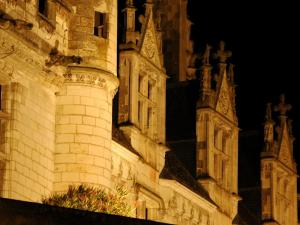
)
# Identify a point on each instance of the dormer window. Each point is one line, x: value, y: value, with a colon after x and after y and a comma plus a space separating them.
x: 101, y: 25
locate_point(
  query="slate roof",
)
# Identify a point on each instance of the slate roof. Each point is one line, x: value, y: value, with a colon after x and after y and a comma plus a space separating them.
x: 119, y: 137
x: 175, y: 170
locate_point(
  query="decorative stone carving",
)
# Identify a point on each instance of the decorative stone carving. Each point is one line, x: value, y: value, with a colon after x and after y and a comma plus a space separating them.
x: 282, y: 107
x: 91, y: 79
x: 173, y: 202
x: 222, y: 54
x: 6, y: 49
x: 57, y: 59
x: 149, y: 47
x: 6, y: 68
x: 224, y: 102
x: 206, y: 55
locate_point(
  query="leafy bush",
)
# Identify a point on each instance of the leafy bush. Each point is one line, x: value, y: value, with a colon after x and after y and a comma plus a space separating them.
x: 93, y: 199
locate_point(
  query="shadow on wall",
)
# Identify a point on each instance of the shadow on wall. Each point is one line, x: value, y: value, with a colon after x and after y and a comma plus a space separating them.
x: 2, y: 159
x: 2, y: 172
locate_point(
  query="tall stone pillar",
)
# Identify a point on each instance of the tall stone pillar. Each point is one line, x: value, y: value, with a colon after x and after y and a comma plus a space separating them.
x: 83, y: 128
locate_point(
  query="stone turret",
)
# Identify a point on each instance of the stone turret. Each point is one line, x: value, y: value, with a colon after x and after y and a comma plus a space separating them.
x: 278, y: 169
x: 269, y: 130
x: 84, y: 102
x: 129, y: 19
x: 217, y: 136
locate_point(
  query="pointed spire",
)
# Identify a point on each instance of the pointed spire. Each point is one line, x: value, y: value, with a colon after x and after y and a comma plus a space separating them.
x: 268, y: 115
x: 206, y: 55
x: 222, y: 54
x: 129, y: 18
x: 269, y: 129
x: 148, y: 5
x: 205, y: 77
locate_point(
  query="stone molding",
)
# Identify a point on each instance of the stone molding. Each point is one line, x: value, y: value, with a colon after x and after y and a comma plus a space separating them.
x: 92, y: 76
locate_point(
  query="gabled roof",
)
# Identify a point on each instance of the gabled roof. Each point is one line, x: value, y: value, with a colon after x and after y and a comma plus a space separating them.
x: 148, y: 44
x: 224, y: 104
x: 119, y: 137
x: 285, y: 154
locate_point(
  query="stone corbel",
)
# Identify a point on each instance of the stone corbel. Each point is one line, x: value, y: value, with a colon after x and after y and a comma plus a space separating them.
x: 7, y: 22
x: 57, y: 59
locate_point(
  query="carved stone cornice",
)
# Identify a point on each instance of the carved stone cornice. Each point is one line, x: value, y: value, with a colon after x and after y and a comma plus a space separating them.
x: 92, y: 76
x: 18, y: 61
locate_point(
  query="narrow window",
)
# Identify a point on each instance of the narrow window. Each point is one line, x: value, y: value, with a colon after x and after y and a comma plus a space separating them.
x: 149, y: 118
x: 224, y: 143
x: 100, y: 25
x: 0, y: 97
x: 141, y: 84
x: 146, y: 214
x: 47, y: 11
x: 224, y: 171
x: 140, y: 113
x: 43, y: 7
x: 216, y: 132
x: 216, y: 166
x: 150, y: 91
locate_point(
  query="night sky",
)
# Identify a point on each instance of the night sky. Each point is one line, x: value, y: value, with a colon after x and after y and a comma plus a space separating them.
x: 265, y: 43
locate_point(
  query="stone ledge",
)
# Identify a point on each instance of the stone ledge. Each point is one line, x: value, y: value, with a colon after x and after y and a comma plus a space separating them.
x: 88, y: 75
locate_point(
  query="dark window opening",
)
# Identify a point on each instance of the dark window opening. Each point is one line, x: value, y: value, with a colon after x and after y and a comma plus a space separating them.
x: 146, y: 214
x: 100, y: 25
x: 139, y: 112
x: 43, y: 7
x: 140, y: 84
x: 150, y: 91
x: 0, y: 98
x: 149, y: 118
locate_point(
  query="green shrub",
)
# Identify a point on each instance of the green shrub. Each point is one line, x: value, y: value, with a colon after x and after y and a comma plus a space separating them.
x: 92, y: 199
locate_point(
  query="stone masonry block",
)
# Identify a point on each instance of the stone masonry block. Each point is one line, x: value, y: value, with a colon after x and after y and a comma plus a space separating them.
x: 79, y: 148
x: 65, y: 129
x: 62, y: 148
x: 92, y: 111
x: 74, y: 110
x: 88, y: 120
x: 64, y: 158
x: 84, y: 129
x: 65, y: 138
x: 75, y: 119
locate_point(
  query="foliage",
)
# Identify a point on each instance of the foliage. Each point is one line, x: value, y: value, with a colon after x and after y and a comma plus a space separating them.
x: 93, y: 199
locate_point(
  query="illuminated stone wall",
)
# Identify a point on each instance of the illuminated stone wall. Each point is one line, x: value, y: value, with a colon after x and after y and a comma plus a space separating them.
x: 52, y: 107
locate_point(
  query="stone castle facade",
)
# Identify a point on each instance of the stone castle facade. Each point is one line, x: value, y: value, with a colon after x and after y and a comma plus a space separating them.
x: 62, y: 64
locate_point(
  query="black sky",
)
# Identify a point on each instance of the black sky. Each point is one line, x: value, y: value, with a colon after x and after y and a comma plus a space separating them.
x: 265, y: 43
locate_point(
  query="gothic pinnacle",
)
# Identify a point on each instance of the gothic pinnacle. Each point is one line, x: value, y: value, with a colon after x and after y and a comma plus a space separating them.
x: 268, y: 115
x: 129, y: 3
x: 222, y: 54
x: 282, y: 107
x: 206, y: 55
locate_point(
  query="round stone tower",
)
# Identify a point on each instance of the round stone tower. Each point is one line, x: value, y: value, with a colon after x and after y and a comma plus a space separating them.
x: 84, y: 102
